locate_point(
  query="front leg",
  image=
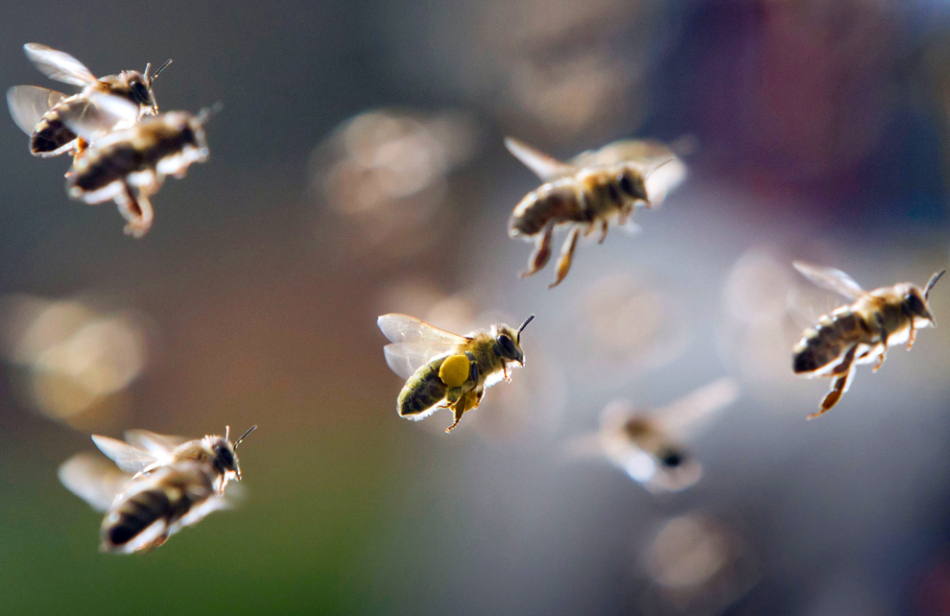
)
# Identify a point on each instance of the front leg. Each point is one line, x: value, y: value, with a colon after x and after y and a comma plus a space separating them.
x: 625, y: 213
x: 883, y: 355
x: 567, y: 255
x: 910, y: 336
x: 542, y: 251
x: 604, y: 225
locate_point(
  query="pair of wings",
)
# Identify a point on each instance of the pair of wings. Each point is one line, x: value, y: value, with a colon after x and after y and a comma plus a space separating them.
x: 98, y: 482
x: 414, y: 342
x: 91, y: 120
x: 661, y: 168
x: 830, y: 279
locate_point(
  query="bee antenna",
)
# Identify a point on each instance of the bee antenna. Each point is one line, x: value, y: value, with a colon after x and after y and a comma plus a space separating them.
x: 227, y: 433
x: 932, y: 282
x: 205, y: 114
x: 523, y: 325
x: 249, y: 430
x: 158, y: 71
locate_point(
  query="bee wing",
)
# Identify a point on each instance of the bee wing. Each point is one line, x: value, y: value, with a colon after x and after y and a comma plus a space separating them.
x: 128, y: 458
x: 93, y: 479
x: 545, y: 167
x: 59, y: 65
x: 830, y: 278
x: 693, y: 411
x: 99, y: 116
x: 415, y: 342
x: 28, y: 105
x: 159, y: 445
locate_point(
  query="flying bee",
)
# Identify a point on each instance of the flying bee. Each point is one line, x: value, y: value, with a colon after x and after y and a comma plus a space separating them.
x: 175, y: 484
x: 858, y: 333
x: 587, y: 194
x: 39, y: 111
x: 444, y: 370
x: 130, y: 165
x: 648, y: 445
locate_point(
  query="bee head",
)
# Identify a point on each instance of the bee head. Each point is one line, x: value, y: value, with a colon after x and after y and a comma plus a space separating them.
x: 915, y: 301
x: 508, y: 342
x: 631, y: 183
x: 224, y: 456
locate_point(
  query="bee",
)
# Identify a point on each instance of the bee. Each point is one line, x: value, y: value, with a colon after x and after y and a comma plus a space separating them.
x: 39, y: 111
x: 858, y: 333
x: 445, y: 370
x: 162, y: 484
x: 649, y: 445
x: 587, y: 194
x: 130, y: 165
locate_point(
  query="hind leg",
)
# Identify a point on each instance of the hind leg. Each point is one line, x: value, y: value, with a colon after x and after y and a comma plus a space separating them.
x: 843, y: 374
x: 542, y: 251
x: 467, y: 402
x: 567, y: 255
x: 137, y: 211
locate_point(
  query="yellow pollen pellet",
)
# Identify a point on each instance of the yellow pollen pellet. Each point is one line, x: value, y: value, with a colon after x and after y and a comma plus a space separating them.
x: 454, y: 370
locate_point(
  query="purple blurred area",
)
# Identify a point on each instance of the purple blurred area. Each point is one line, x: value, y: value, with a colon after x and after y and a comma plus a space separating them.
x: 358, y: 168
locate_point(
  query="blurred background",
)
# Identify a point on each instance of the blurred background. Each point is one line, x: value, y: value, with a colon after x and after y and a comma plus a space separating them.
x: 358, y: 169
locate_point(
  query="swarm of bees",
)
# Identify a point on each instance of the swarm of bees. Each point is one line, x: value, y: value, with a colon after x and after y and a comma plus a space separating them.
x: 122, y: 147
x: 162, y: 484
x: 858, y: 333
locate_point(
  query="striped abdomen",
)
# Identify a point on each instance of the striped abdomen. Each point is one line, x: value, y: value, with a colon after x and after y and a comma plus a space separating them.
x: 829, y: 340
x: 423, y: 390
x: 154, y: 504
x: 51, y: 136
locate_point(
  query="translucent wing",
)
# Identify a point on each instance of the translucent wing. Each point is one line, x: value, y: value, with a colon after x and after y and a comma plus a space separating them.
x: 159, y: 445
x: 645, y: 151
x: 415, y: 342
x: 545, y: 167
x: 693, y: 411
x: 129, y: 459
x: 28, y: 105
x: 830, y: 278
x: 100, y: 116
x: 93, y: 479
x: 58, y: 65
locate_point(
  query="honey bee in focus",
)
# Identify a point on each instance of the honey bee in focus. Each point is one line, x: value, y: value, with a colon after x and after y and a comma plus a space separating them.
x: 587, y: 194
x: 649, y: 445
x: 130, y: 165
x: 858, y: 333
x: 445, y: 370
x: 39, y: 111
x: 162, y: 484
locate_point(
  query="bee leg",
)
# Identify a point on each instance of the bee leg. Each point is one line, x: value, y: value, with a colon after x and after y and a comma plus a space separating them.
x: 910, y: 337
x: 881, y: 357
x: 567, y: 255
x: 137, y: 211
x: 624, y: 216
x: 542, y: 251
x: 844, y: 373
x: 466, y: 403
x: 603, y: 231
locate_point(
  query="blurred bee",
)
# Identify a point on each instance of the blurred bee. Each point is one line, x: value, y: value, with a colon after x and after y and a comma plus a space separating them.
x: 130, y: 165
x: 587, y: 193
x: 648, y: 445
x: 38, y: 111
x: 858, y: 333
x: 175, y: 484
x: 445, y: 370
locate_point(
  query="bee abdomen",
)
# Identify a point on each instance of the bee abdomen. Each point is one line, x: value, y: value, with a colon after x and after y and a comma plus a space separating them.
x: 135, y: 515
x: 50, y: 135
x: 557, y: 203
x: 826, y: 342
x: 423, y: 390
x: 102, y: 167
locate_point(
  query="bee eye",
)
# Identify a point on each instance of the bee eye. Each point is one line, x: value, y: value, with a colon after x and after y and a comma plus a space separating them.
x: 506, y: 344
x: 914, y: 304
x: 140, y: 92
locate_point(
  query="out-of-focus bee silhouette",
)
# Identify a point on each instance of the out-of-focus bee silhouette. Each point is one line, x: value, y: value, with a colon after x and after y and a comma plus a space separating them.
x: 39, y: 112
x: 649, y: 445
x: 858, y: 333
x: 162, y: 484
x: 588, y: 194
x: 130, y: 165
x: 445, y: 370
